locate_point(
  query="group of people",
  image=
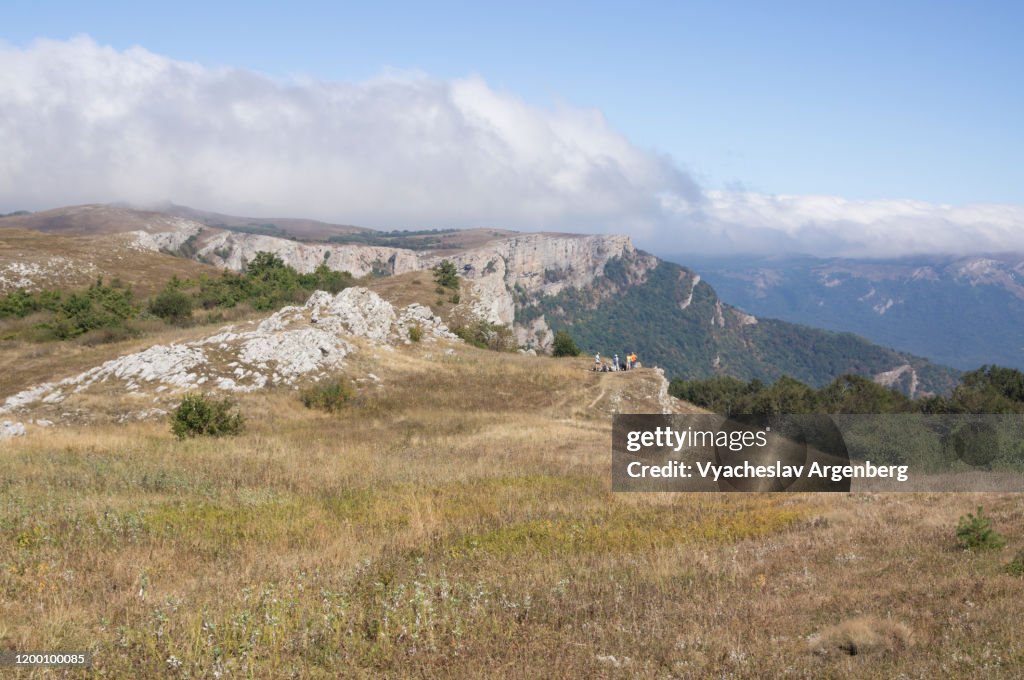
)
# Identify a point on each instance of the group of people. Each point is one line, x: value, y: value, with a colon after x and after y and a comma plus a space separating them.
x: 627, y: 363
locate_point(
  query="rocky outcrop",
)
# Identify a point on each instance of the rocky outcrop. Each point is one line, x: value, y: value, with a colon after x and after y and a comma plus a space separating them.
x: 9, y: 429
x: 295, y: 343
x: 535, y: 333
x: 902, y: 377
x: 42, y: 273
x: 178, y: 232
x: 718, y: 319
x: 234, y: 251
x: 694, y: 280
x: 506, y: 273
x: 744, y: 319
x: 516, y: 272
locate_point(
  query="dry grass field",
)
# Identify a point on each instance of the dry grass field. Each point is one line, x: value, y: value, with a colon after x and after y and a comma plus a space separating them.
x: 74, y: 261
x: 455, y: 519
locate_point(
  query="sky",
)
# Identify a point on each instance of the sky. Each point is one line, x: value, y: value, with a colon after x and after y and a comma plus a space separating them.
x: 832, y: 128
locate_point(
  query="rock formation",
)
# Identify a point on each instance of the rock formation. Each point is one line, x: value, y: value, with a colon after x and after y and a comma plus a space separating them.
x: 506, y: 273
x: 295, y: 343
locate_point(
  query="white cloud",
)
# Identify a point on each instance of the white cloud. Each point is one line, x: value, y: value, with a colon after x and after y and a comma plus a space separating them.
x: 829, y: 225
x: 81, y: 122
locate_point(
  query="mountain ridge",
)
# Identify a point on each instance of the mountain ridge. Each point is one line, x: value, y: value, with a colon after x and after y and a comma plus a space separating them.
x: 960, y: 310
x: 601, y: 287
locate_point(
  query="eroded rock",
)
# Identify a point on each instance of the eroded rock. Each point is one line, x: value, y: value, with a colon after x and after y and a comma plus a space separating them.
x: 294, y: 343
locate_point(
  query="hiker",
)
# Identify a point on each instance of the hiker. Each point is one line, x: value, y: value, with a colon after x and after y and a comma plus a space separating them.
x: 597, y: 361
x: 632, y: 360
x: 615, y: 363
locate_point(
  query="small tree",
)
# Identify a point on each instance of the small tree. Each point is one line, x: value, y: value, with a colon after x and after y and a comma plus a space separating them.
x: 975, y: 532
x: 264, y: 263
x: 446, y: 275
x: 565, y: 346
x: 198, y: 415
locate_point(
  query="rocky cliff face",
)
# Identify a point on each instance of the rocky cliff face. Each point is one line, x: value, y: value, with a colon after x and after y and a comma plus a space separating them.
x: 512, y: 274
x: 506, y: 273
x: 234, y: 250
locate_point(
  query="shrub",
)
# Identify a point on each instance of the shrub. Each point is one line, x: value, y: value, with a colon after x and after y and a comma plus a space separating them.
x: 487, y: 335
x: 199, y: 415
x: 416, y: 332
x: 103, y: 336
x: 325, y: 278
x: 18, y: 303
x: 99, y: 306
x: 446, y: 275
x: 975, y: 532
x: 565, y: 346
x: 172, y: 305
x: 1016, y: 565
x: 328, y: 396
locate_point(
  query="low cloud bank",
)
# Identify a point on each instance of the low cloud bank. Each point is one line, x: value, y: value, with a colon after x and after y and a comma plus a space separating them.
x: 81, y: 122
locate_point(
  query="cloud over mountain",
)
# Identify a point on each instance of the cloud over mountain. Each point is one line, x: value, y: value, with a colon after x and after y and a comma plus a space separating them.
x: 81, y: 122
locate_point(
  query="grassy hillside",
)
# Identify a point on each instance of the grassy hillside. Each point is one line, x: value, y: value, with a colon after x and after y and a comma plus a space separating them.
x: 455, y: 520
x: 706, y: 337
x: 74, y: 261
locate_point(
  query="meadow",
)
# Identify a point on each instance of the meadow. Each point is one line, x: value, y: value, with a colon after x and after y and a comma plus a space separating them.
x: 455, y: 519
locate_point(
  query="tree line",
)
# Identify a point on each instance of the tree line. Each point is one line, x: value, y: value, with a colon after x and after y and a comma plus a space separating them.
x: 989, y: 389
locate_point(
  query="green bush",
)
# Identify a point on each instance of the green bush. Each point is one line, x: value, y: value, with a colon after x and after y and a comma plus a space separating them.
x: 329, y: 396
x: 99, y: 306
x: 18, y: 303
x: 975, y: 532
x: 171, y: 305
x: 199, y: 415
x: 416, y: 332
x: 565, y: 346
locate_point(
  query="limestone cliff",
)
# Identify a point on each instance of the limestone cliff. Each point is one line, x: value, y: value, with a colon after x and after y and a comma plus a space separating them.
x: 506, y: 273
x: 234, y: 250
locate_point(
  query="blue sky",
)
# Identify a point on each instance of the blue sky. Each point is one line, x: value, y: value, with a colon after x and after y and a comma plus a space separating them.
x: 865, y: 100
x: 709, y: 112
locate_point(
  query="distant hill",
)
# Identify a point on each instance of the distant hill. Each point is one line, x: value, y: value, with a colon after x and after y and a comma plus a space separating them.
x: 960, y: 311
x: 284, y: 227
x: 96, y: 218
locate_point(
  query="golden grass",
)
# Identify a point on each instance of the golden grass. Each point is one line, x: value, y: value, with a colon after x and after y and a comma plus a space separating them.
x: 96, y: 255
x: 405, y: 289
x: 457, y: 521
